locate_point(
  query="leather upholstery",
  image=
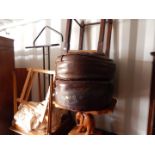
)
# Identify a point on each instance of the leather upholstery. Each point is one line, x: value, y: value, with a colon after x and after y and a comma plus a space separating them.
x: 84, y: 81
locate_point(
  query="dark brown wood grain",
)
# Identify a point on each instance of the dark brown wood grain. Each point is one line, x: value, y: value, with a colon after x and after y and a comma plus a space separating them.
x: 151, y: 118
x: 68, y: 35
x: 101, y: 36
x: 81, y: 36
x: 20, y: 74
x: 19, y: 77
x: 108, y: 41
x: 6, y: 83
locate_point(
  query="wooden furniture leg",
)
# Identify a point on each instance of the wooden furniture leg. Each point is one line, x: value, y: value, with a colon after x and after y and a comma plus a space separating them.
x: 25, y: 85
x: 39, y: 87
x: 29, y: 87
x: 81, y: 37
x: 101, y: 36
x: 108, y: 41
x: 50, y: 107
x: 68, y: 35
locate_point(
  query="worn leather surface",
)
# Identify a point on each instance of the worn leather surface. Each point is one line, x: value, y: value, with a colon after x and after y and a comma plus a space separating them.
x: 83, y: 95
x: 84, y: 81
x: 84, y: 66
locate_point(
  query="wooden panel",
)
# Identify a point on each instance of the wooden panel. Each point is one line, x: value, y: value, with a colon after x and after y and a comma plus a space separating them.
x: 20, y: 77
x: 151, y: 117
x: 5, y: 42
x: 6, y: 81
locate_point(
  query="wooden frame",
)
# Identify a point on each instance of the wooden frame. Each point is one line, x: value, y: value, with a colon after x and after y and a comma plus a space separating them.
x: 68, y: 35
x: 102, y: 32
x: 26, y: 92
x: 151, y: 116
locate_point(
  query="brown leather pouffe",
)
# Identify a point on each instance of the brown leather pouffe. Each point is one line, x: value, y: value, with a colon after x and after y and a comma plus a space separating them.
x: 84, y: 81
x: 84, y: 66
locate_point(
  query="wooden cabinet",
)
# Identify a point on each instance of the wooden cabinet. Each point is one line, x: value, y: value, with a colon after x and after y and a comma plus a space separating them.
x: 6, y: 83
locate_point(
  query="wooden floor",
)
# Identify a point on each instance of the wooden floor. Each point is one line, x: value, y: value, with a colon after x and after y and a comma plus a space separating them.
x: 4, y: 128
x: 100, y: 132
x: 97, y: 132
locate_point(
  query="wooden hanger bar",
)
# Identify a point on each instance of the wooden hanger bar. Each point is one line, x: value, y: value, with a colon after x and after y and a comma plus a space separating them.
x: 41, y: 46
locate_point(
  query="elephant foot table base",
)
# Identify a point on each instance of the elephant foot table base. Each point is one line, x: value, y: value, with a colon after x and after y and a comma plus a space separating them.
x: 85, y: 123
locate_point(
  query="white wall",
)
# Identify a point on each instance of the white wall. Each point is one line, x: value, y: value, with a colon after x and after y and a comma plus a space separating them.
x: 132, y: 42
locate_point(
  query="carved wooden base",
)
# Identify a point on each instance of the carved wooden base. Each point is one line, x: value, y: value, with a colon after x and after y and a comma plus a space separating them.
x: 85, y: 123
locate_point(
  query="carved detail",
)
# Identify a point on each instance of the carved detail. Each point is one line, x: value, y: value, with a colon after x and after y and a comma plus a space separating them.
x: 85, y: 123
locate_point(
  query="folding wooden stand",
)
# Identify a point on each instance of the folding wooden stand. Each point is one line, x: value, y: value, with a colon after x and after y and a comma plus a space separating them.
x: 25, y: 96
